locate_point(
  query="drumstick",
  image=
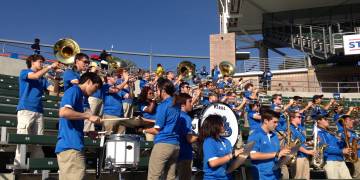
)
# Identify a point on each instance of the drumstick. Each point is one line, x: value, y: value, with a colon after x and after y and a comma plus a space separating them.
x: 115, y: 119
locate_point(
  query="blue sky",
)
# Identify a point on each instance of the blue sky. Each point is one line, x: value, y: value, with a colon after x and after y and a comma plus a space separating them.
x: 166, y: 26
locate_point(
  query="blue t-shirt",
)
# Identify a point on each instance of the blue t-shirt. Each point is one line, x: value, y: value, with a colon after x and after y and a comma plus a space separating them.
x: 185, y: 129
x: 333, y: 152
x: 318, y: 110
x: 167, y: 120
x: 298, y: 133
x: 213, y: 148
x: 253, y: 123
x: 30, y: 92
x: 265, y: 143
x: 127, y: 100
x: 146, y: 114
x: 71, y: 135
x: 100, y: 93
x: 68, y: 76
x: 113, y: 104
x: 143, y: 83
x: 282, y: 120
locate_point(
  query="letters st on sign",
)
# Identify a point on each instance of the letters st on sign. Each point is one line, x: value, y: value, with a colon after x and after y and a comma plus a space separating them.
x: 351, y: 44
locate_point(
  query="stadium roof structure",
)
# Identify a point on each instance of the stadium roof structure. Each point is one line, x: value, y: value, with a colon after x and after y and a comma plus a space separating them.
x: 245, y: 16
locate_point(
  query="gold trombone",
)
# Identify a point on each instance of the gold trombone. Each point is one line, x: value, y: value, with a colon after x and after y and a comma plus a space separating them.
x: 186, y: 69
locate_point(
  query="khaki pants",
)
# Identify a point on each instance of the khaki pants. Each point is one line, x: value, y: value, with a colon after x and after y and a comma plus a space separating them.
x: 113, y: 127
x: 163, y: 161
x: 71, y: 165
x: 246, y: 121
x: 29, y: 122
x: 284, y: 172
x: 183, y: 169
x: 128, y: 110
x: 302, y: 168
x: 337, y: 170
x: 356, y: 174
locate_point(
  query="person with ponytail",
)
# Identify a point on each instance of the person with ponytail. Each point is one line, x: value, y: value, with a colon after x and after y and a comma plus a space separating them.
x: 217, y: 150
x: 166, y: 130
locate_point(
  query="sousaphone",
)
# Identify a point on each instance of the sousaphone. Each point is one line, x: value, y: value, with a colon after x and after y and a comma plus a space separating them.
x: 65, y: 50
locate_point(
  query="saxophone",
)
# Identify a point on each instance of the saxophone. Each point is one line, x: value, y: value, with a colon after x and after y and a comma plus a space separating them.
x: 353, y: 157
x: 318, y: 159
x: 290, y: 144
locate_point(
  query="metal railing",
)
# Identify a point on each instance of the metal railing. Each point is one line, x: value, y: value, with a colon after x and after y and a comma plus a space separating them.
x: 280, y: 63
x: 310, y: 86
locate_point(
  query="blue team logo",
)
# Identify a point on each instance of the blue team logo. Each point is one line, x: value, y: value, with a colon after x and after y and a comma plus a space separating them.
x: 228, y: 130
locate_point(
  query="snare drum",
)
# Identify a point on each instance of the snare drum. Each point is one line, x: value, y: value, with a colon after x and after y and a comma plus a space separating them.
x: 122, y: 150
x: 228, y: 115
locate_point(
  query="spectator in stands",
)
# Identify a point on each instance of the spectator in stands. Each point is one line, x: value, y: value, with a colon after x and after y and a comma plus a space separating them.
x: 266, y: 79
x: 30, y: 109
x: 104, y: 56
x: 160, y: 70
x: 215, y: 73
x: 70, y: 144
x: 36, y: 46
x: 203, y: 72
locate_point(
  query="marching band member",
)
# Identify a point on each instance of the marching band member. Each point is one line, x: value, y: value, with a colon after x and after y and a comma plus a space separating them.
x: 147, y: 103
x: 277, y: 106
x: 349, y: 124
x: 165, y: 151
x: 113, y: 105
x: 317, y: 109
x: 30, y: 118
x: 253, y: 116
x: 128, y: 92
x: 296, y: 107
x: 184, y: 162
x: 266, y: 150
x: 145, y: 81
x: 148, y: 107
x: 335, y: 166
x: 338, y: 113
x: 217, y: 150
x: 70, y: 144
x: 72, y: 76
x: 302, y: 165
x: 184, y: 87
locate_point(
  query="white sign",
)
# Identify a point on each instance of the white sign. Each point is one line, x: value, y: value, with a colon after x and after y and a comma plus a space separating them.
x: 351, y: 44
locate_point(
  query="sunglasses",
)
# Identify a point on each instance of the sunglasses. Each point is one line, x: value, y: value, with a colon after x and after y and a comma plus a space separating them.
x: 298, y: 116
x: 188, y: 87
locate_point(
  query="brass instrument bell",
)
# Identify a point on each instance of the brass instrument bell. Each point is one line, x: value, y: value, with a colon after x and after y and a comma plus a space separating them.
x: 65, y: 50
x: 226, y: 68
x: 186, y: 68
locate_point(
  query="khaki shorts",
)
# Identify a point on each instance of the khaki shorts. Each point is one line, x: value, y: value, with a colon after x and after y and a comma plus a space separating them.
x: 71, y: 165
x: 29, y: 122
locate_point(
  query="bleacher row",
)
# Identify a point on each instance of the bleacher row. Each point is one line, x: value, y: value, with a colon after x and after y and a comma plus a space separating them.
x: 9, y: 100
